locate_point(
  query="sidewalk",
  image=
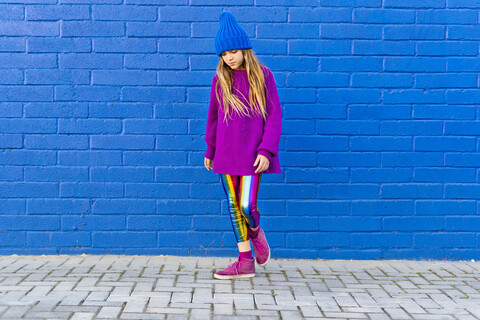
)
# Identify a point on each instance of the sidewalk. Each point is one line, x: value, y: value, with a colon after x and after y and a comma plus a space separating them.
x: 167, y: 287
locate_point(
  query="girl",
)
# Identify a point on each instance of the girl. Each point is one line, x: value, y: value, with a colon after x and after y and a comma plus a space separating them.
x: 243, y: 133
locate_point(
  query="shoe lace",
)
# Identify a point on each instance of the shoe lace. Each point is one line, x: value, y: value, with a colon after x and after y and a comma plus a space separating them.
x: 234, y: 266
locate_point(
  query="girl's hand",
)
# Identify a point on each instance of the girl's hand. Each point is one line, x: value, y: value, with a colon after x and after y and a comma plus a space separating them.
x: 263, y: 163
x: 208, y: 164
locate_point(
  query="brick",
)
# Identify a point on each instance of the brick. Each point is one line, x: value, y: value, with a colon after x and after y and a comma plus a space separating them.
x: 102, y: 116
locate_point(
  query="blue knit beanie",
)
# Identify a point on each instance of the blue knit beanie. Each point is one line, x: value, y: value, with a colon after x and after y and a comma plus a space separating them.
x: 230, y: 35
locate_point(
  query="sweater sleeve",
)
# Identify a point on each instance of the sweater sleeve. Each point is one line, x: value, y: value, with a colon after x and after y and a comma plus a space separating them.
x: 211, y: 130
x: 272, y: 127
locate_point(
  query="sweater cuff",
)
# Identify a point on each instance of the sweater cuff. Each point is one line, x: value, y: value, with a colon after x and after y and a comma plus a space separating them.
x: 210, y: 154
x: 266, y: 153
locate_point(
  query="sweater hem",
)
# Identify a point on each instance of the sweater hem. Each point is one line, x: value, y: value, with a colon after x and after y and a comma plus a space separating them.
x: 244, y: 173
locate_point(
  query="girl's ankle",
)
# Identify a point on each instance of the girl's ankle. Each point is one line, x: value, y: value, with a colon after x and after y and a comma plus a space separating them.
x: 246, y: 255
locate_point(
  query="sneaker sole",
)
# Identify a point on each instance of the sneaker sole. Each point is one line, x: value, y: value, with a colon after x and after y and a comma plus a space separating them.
x: 238, y: 276
x: 268, y: 259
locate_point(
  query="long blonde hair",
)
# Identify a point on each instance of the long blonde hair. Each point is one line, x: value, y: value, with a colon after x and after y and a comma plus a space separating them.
x: 256, y: 79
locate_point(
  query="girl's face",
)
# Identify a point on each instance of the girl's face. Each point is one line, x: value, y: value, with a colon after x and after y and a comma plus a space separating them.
x: 234, y: 58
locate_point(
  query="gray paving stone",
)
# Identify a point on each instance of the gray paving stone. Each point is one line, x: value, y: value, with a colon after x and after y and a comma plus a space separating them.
x: 248, y: 304
x: 181, y: 297
x: 223, y: 309
x: 277, y: 307
x: 109, y: 313
x: 167, y: 287
x: 136, y: 304
x: 261, y: 313
x: 345, y: 315
x: 151, y: 310
x: 200, y: 314
x: 264, y: 299
x: 397, y: 313
x: 14, y: 312
x: 175, y: 317
x: 363, y: 309
x: 222, y: 317
x: 465, y: 317
x: 310, y: 311
x: 291, y: 315
x: 49, y: 315
x: 328, y: 305
x: 190, y: 305
x: 83, y: 316
x: 74, y: 309
x: 144, y: 316
x: 382, y: 316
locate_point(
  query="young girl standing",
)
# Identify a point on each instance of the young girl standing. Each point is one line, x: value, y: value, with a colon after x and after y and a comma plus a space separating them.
x: 243, y: 134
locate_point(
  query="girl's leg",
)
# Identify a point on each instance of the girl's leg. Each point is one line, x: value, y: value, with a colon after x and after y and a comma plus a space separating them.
x: 231, y: 186
x: 249, y: 186
x: 244, y: 267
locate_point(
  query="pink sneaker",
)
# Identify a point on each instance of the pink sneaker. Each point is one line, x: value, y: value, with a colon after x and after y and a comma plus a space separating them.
x: 262, y: 250
x: 239, y: 269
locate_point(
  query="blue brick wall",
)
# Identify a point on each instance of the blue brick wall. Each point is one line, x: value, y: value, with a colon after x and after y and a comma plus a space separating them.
x: 103, y: 107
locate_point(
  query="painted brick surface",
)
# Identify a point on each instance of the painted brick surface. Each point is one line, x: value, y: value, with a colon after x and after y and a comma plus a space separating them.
x: 103, y: 107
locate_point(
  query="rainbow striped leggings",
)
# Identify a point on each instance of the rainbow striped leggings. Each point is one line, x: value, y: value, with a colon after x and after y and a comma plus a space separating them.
x: 242, y: 194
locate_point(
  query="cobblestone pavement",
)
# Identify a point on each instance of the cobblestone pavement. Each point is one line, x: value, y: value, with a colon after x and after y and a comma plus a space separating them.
x: 167, y: 287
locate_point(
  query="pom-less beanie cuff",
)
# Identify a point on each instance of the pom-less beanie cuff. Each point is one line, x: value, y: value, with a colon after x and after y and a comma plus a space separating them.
x: 230, y: 35
x: 241, y: 42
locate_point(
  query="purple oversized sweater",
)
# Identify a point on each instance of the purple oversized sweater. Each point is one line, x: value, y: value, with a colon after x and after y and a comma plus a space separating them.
x: 234, y: 146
